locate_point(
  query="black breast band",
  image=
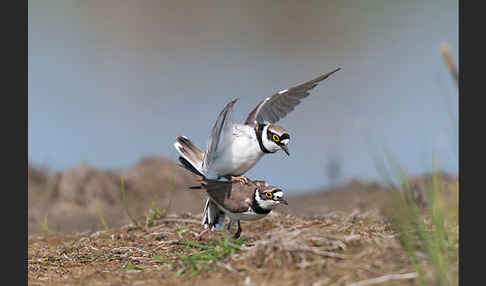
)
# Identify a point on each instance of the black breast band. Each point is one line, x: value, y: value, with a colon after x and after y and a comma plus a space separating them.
x: 259, y: 131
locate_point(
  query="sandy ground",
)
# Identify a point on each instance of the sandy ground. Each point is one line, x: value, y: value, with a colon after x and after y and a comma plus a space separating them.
x: 337, y: 237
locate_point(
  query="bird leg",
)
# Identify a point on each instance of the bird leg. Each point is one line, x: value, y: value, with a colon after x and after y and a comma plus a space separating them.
x: 238, y: 233
x: 240, y: 179
x: 230, y: 224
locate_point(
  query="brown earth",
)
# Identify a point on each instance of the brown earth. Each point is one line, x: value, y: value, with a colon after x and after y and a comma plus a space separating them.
x: 73, y: 199
x: 334, y: 237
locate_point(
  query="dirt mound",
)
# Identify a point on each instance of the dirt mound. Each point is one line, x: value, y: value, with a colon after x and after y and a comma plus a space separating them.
x: 336, y: 236
x: 278, y: 250
x: 359, y: 195
x: 76, y: 198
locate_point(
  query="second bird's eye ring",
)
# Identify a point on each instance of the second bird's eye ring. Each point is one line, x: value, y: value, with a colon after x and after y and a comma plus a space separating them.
x: 269, y: 195
x: 275, y: 138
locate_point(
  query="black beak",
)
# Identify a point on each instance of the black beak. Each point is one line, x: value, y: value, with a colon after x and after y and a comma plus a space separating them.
x: 286, y: 150
x: 283, y: 201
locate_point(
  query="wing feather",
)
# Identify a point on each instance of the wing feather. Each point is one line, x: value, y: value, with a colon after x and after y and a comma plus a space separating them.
x: 234, y: 197
x: 277, y: 106
x: 222, y: 130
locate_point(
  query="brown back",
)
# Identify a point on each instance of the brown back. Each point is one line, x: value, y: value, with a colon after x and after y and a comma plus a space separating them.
x: 235, y: 197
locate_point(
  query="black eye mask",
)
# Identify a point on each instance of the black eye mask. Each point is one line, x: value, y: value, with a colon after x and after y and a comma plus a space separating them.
x: 270, y: 136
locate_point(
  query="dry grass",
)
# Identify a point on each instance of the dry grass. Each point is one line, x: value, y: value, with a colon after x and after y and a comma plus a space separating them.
x: 334, y: 249
x: 339, y: 237
x: 77, y: 198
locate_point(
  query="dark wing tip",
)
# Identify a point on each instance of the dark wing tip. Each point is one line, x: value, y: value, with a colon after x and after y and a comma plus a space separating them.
x: 229, y: 106
x: 182, y: 139
x: 323, y: 77
x: 330, y: 73
x: 333, y: 71
x: 188, y: 166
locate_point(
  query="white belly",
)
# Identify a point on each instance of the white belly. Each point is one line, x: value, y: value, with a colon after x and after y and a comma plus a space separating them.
x: 239, y: 156
x: 248, y: 215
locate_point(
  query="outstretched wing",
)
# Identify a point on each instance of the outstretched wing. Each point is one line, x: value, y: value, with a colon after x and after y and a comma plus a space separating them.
x: 275, y: 107
x: 222, y: 130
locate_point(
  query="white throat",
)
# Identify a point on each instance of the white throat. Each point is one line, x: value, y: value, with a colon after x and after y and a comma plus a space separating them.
x: 264, y: 204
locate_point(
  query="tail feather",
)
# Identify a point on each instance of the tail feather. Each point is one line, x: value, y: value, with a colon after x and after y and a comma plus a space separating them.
x: 191, y: 156
x: 213, y: 217
x: 188, y: 166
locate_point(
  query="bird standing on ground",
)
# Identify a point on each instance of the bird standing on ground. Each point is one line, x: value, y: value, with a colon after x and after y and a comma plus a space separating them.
x: 251, y: 201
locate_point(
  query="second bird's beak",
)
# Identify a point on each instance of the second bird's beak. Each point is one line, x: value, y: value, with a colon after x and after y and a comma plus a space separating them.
x: 286, y: 150
x: 283, y: 201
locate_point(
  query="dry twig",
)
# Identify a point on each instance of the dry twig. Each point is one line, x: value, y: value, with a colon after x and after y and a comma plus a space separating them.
x: 385, y: 278
x: 445, y: 51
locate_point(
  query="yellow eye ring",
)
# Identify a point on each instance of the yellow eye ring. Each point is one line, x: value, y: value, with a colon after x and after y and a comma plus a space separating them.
x: 269, y: 195
x: 275, y: 138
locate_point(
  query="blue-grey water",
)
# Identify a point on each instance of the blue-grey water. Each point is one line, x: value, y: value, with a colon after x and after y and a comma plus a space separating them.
x: 111, y: 82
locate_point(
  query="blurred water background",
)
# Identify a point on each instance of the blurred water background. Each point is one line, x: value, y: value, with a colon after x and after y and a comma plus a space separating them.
x: 112, y: 82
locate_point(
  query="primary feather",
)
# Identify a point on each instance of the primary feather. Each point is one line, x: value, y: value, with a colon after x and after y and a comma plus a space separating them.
x: 277, y: 106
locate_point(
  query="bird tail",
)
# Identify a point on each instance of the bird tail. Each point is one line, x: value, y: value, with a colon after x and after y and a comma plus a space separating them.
x: 213, y: 217
x: 191, y: 156
x: 191, y: 159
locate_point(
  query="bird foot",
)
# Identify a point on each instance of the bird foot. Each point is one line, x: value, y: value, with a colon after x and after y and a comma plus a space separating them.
x: 239, y: 179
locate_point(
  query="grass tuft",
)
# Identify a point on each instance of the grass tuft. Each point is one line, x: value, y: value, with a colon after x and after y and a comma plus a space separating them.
x: 428, y: 227
x: 125, y: 202
x: 201, y: 257
x: 100, y: 215
x: 131, y: 267
x: 45, y: 226
x: 154, y: 214
x: 161, y: 259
